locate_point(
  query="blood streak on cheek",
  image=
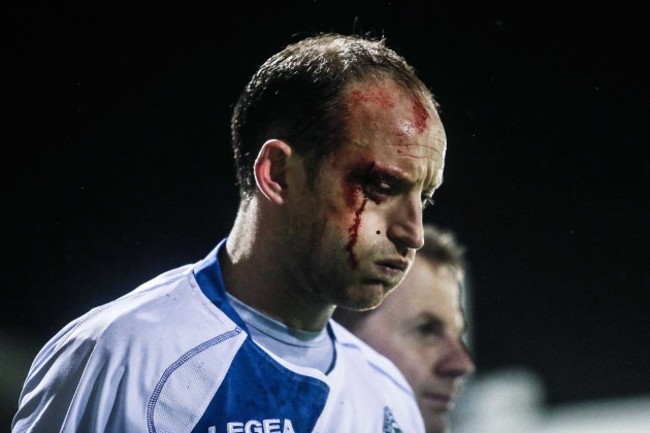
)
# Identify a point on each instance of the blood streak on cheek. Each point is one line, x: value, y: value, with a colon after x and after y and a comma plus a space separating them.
x: 351, y: 184
x: 360, y: 174
x: 353, y: 231
x: 351, y: 193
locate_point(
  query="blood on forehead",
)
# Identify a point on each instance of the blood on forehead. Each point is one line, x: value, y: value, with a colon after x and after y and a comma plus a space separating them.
x: 378, y: 102
x: 420, y: 116
x: 381, y: 97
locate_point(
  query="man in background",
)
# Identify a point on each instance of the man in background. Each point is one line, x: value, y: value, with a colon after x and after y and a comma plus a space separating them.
x: 420, y: 327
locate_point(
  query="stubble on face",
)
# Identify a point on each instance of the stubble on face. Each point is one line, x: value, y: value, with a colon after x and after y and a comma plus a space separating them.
x: 396, y: 136
x: 390, y: 134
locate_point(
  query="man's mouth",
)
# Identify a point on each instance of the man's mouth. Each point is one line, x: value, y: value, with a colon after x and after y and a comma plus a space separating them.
x: 438, y: 400
x: 394, y: 265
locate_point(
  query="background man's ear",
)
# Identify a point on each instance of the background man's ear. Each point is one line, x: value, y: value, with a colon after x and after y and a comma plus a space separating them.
x: 271, y: 170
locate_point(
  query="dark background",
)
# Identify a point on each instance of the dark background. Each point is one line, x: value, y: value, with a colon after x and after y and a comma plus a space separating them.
x: 119, y: 164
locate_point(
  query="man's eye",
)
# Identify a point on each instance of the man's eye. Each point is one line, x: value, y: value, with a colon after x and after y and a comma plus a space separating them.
x: 376, y: 190
x: 382, y: 188
x: 429, y: 330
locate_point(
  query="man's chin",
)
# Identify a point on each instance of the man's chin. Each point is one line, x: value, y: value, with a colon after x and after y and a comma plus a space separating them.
x: 367, y: 296
x: 436, y: 423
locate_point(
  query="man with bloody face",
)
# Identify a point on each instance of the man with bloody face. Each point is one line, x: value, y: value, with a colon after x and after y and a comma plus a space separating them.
x: 338, y: 148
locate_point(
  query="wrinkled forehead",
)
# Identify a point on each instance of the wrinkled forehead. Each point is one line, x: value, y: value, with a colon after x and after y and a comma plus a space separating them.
x: 398, y: 125
x: 385, y: 92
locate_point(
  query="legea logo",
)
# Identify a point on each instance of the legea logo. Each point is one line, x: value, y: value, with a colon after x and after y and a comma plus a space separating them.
x: 254, y: 426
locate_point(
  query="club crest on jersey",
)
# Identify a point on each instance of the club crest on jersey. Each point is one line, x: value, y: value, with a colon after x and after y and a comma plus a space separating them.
x: 273, y: 425
x: 390, y: 425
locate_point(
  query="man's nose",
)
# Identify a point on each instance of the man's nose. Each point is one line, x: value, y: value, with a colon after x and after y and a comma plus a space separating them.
x: 405, y: 229
x: 457, y: 362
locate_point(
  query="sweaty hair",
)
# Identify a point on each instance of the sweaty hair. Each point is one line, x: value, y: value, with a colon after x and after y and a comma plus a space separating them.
x: 297, y: 96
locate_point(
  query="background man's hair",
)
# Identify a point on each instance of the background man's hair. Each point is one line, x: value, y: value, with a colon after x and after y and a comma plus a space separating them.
x: 297, y: 96
x: 441, y: 247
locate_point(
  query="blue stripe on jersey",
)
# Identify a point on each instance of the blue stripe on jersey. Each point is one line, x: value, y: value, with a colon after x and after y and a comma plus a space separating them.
x: 256, y: 389
x: 208, y: 275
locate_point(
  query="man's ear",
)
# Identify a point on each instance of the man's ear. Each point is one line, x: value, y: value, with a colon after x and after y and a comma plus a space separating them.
x: 271, y: 170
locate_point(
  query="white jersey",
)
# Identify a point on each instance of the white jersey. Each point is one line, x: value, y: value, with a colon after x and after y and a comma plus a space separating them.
x: 173, y: 356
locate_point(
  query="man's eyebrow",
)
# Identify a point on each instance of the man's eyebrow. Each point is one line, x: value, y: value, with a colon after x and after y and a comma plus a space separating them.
x: 425, y: 315
x: 395, y: 176
x: 388, y: 173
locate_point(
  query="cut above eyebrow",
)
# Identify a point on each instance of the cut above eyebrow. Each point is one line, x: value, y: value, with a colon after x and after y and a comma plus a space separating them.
x: 393, y: 175
x: 397, y: 176
x: 387, y: 173
x: 436, y: 149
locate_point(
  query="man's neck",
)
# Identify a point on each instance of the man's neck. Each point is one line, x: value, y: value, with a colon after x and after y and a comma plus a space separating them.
x: 253, y: 271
